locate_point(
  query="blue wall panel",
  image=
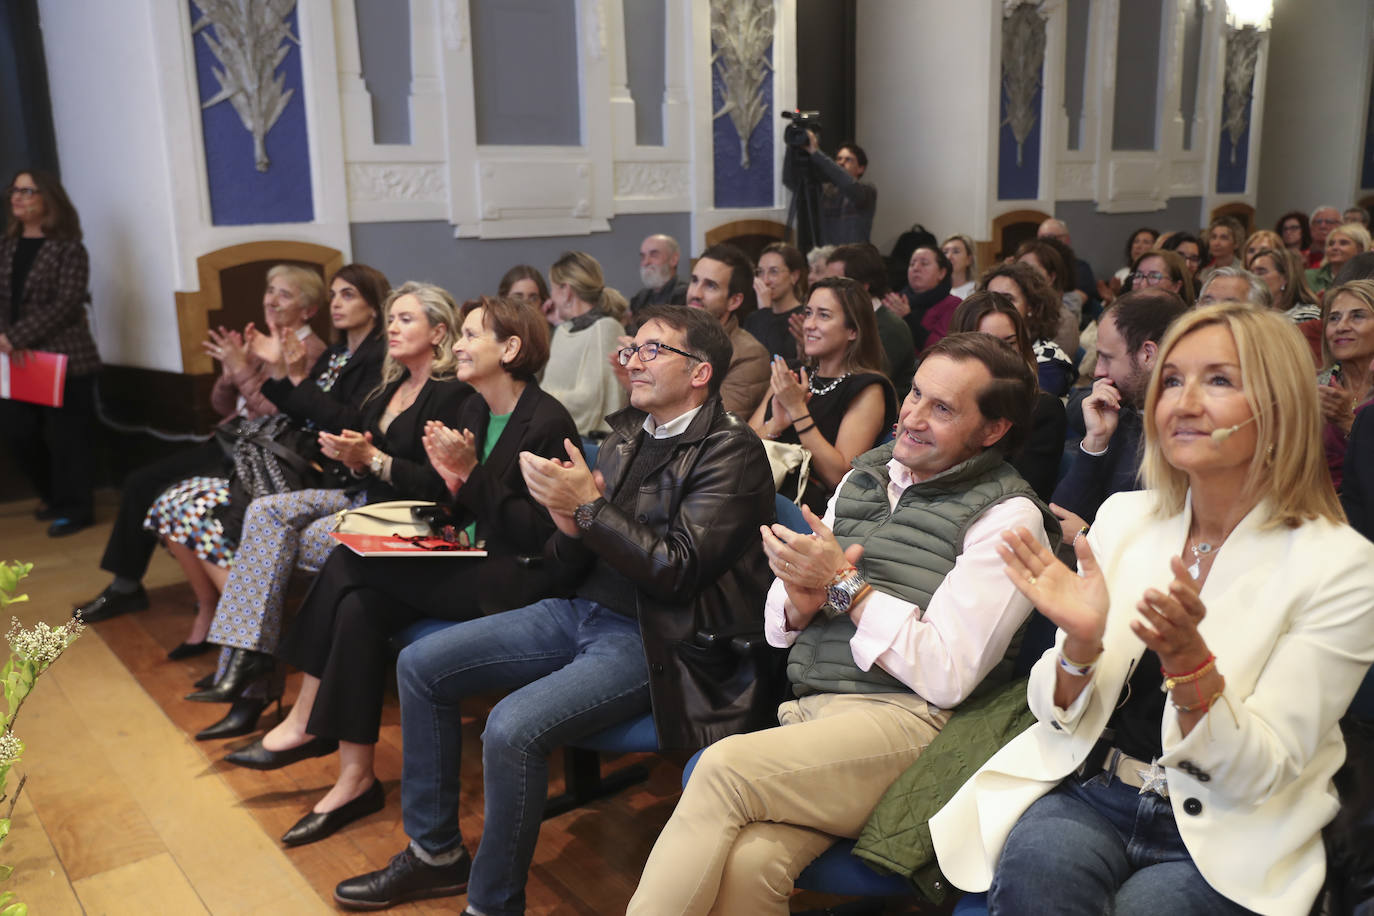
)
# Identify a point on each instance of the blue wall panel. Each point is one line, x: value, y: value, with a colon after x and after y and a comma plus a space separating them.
x: 1231, y: 176
x: 1019, y: 182
x: 239, y: 193
x: 737, y: 186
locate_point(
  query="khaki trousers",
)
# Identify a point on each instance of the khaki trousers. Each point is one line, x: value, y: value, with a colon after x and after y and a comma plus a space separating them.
x: 759, y: 807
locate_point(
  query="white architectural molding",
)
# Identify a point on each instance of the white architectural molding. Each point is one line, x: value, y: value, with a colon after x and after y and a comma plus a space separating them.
x: 673, y: 155
x: 431, y: 26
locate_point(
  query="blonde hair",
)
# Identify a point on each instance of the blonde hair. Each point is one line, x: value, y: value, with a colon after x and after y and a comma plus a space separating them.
x: 972, y: 273
x: 307, y: 282
x: 1355, y: 232
x: 1288, y: 468
x: 440, y: 309
x: 583, y: 273
x: 1268, y: 239
x: 1363, y: 290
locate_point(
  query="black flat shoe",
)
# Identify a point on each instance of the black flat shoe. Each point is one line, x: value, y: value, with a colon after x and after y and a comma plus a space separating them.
x: 405, y: 877
x: 69, y: 525
x: 207, y: 681
x: 316, y: 826
x: 190, y: 650
x: 241, y: 719
x: 111, y: 603
x: 257, y: 757
x: 245, y: 668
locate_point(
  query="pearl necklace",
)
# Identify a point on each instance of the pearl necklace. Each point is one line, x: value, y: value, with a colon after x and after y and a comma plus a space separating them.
x: 817, y: 392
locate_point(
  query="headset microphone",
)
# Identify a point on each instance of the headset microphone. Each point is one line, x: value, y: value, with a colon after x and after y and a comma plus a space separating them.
x: 1221, y: 435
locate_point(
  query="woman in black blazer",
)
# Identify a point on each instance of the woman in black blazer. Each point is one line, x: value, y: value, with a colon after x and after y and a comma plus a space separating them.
x: 340, y: 638
x: 44, y: 275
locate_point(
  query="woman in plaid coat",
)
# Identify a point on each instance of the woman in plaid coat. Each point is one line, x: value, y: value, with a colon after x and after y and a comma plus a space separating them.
x: 43, y: 294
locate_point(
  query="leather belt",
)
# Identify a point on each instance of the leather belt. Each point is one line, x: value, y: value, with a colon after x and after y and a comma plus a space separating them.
x: 1135, y: 773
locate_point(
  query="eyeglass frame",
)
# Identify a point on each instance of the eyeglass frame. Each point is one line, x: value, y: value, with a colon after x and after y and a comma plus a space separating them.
x: 624, y: 354
x: 22, y: 192
x: 1155, y: 277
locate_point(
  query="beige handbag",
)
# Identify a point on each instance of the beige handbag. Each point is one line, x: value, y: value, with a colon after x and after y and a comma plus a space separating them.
x: 784, y: 458
x: 392, y: 517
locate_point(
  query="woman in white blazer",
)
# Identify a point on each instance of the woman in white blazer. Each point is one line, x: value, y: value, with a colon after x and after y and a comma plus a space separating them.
x: 1219, y: 627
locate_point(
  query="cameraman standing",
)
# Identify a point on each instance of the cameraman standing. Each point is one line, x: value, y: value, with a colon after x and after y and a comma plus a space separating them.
x: 846, y: 203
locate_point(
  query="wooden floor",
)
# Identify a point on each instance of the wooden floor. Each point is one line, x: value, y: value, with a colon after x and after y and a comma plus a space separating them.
x: 124, y: 812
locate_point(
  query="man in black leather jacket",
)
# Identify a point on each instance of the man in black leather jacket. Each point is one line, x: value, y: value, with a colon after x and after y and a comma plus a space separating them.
x: 660, y: 544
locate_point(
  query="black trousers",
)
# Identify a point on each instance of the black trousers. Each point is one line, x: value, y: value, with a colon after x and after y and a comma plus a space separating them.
x: 54, y: 446
x: 342, y: 632
x: 130, y: 547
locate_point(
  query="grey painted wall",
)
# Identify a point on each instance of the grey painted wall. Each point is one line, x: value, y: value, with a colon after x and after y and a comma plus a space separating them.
x: 645, y: 23
x: 1100, y: 238
x: 384, y: 46
x: 1314, y: 105
x: 525, y: 75
x: 1075, y: 67
x: 1137, y: 75
x: 468, y: 267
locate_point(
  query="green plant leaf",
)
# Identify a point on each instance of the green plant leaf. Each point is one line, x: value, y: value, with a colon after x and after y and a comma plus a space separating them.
x: 15, y: 909
x: 5, y: 872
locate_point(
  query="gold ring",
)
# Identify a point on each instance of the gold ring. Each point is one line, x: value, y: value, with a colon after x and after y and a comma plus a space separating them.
x: 1030, y: 580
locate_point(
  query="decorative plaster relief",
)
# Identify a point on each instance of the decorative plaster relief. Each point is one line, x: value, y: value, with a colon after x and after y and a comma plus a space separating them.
x: 454, y: 24
x: 1242, y: 52
x: 374, y: 182
x: 651, y: 179
x: 1074, y: 178
x: 742, y: 33
x: 536, y: 188
x: 249, y: 42
x: 1185, y: 177
x: 1133, y: 180
x: 1023, y: 62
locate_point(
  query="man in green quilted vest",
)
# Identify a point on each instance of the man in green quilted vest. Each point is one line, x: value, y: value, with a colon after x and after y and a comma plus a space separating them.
x: 894, y: 611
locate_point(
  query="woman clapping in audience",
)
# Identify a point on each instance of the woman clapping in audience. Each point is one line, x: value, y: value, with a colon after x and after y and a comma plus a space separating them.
x: 340, y: 638
x: 1214, y: 636
x: 926, y: 303
x: 841, y: 404
x: 1346, y: 385
x: 186, y: 517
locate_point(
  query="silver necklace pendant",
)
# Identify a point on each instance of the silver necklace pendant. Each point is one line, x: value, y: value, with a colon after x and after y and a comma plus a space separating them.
x: 817, y: 392
x: 1199, y: 551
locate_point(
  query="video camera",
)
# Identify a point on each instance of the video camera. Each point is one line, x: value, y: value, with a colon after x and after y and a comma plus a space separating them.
x: 802, y: 121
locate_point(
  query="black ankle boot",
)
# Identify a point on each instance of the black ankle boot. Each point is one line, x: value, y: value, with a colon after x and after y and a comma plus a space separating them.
x: 241, y: 719
x: 245, y: 668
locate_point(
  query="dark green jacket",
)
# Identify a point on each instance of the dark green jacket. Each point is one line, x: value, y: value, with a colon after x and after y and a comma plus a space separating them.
x: 897, y: 836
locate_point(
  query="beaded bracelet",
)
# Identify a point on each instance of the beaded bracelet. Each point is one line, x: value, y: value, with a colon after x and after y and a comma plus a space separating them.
x: 1173, y: 680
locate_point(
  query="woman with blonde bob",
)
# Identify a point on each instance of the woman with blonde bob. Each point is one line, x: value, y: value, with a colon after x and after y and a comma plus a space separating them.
x: 1188, y: 714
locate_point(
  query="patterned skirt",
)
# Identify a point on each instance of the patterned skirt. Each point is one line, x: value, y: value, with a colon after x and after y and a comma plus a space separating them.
x: 185, y: 513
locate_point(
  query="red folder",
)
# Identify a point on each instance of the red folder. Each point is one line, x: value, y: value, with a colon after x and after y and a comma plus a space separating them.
x: 33, y: 376
x: 389, y: 545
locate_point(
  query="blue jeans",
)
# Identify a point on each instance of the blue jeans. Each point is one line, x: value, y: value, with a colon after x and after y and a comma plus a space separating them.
x: 1089, y: 847
x: 573, y: 668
